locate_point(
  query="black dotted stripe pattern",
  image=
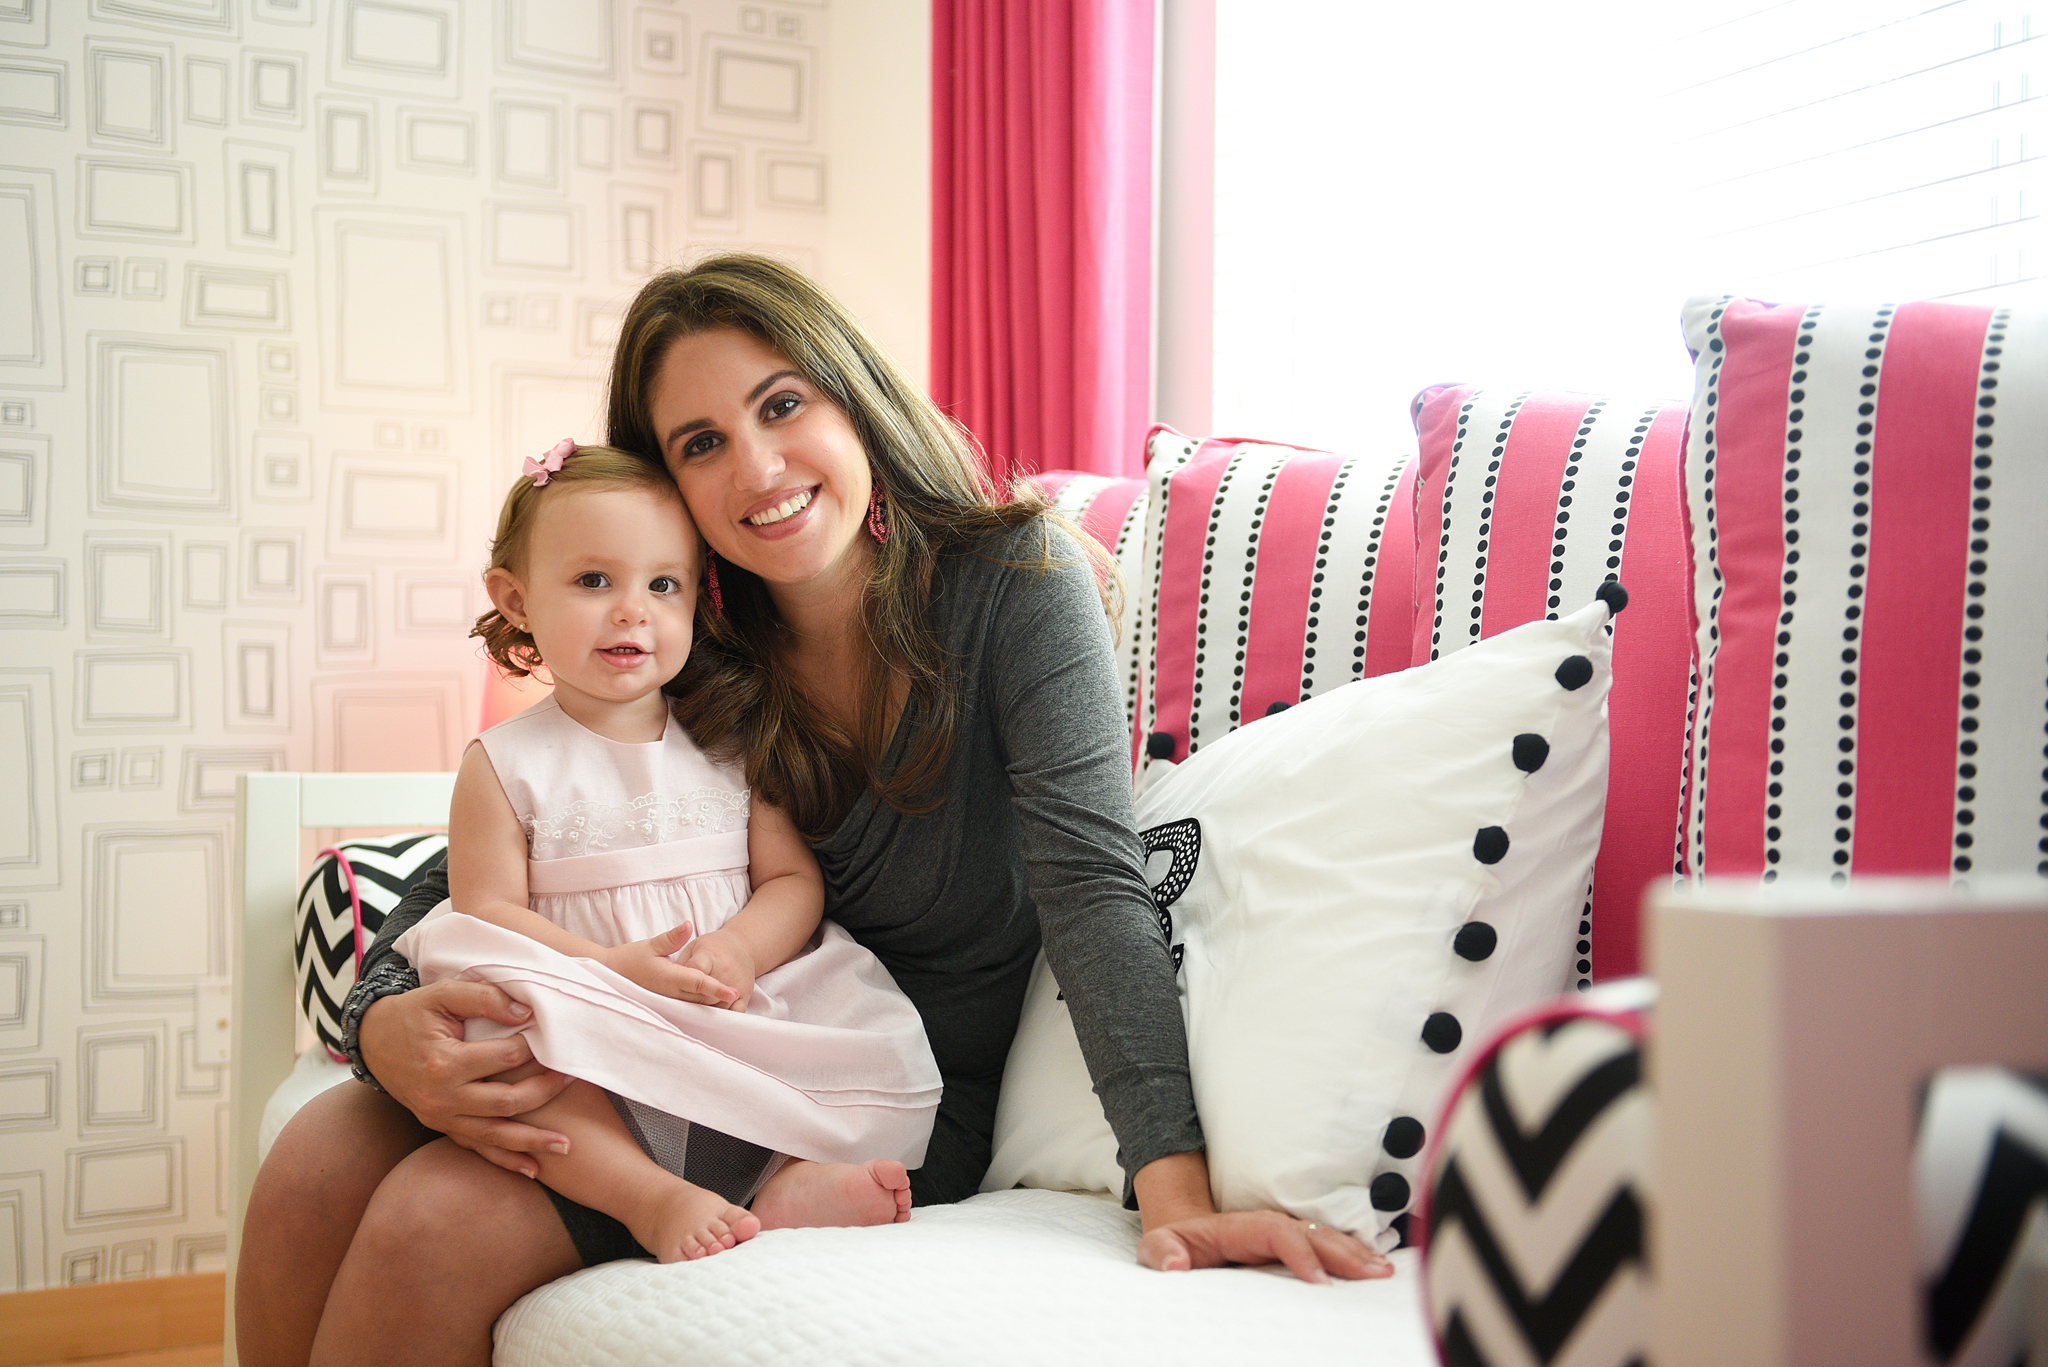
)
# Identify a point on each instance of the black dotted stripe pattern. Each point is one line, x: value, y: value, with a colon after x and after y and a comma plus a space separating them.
x: 1485, y: 515
x: 1244, y: 596
x: 1165, y: 453
x: 1380, y: 517
x: 1492, y: 483
x: 1814, y: 781
x: 1705, y: 442
x: 1692, y: 718
x: 1352, y: 526
x: 1982, y: 447
x: 1624, y: 491
x: 1443, y: 552
x: 1583, y: 965
x: 1208, y: 590
x: 1321, y: 573
x: 1129, y: 552
x: 1561, y: 528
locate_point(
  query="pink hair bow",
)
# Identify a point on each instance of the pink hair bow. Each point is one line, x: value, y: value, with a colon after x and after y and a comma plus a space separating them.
x: 540, y: 471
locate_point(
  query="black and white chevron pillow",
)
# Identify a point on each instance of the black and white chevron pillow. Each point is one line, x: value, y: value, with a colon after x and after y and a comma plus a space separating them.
x: 326, y: 949
x: 1980, y: 1189
x: 1537, y: 1194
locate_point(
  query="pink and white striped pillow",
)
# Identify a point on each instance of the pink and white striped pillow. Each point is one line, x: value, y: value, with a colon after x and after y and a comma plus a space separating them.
x: 1278, y: 573
x: 1869, y: 506
x: 1527, y: 503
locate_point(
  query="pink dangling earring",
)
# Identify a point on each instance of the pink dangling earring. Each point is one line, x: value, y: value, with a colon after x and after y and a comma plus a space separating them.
x: 711, y: 581
x: 877, y: 527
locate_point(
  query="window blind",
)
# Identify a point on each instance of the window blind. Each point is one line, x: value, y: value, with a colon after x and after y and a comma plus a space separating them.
x: 1524, y: 195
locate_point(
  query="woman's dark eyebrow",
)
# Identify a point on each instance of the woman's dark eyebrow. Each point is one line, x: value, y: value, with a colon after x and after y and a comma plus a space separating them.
x: 762, y: 388
x: 684, y: 429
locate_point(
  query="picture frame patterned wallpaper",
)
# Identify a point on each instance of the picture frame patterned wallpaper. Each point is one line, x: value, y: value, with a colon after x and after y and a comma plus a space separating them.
x: 287, y: 287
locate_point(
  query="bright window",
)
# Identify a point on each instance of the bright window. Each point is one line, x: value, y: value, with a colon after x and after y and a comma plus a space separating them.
x: 1525, y: 194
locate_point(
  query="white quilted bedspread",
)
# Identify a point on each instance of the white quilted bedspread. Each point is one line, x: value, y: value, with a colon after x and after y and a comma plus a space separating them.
x: 1011, y: 1277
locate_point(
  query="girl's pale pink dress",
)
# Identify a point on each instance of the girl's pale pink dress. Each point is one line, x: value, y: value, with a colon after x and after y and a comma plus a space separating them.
x: 828, y: 1062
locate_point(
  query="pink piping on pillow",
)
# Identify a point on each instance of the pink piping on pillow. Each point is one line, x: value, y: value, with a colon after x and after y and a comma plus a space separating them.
x: 355, y: 909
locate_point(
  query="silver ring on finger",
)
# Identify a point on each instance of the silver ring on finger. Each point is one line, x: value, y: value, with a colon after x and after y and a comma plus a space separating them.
x: 1313, y: 1225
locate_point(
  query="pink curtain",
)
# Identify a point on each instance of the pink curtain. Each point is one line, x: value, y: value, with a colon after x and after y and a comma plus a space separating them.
x: 1042, y: 229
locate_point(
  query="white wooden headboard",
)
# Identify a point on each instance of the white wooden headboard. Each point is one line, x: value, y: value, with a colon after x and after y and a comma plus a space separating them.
x: 270, y: 812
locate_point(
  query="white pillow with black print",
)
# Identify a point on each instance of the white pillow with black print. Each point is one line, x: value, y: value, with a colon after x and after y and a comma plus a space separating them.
x: 1360, y: 888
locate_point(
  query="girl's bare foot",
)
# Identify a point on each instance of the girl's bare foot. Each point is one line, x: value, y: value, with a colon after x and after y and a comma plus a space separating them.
x: 807, y: 1195
x: 687, y: 1221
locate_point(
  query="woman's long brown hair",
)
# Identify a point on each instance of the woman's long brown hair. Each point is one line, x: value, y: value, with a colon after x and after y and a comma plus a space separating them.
x: 732, y: 696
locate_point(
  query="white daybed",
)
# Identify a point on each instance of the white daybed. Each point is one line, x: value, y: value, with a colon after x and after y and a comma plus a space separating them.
x: 1023, y: 1277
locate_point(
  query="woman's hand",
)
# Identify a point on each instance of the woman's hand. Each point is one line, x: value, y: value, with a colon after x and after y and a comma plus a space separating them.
x: 729, y: 960
x: 1312, y: 1252
x: 648, y: 963
x: 1183, y: 1230
x: 413, y: 1043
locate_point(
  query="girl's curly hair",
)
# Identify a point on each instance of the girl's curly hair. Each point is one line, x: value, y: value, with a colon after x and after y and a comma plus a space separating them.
x: 603, y: 467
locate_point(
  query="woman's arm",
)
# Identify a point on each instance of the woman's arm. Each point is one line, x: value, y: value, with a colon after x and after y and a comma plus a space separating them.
x: 487, y: 880
x: 778, y: 920
x: 1050, y: 677
x: 407, y: 1040
x: 1060, y: 714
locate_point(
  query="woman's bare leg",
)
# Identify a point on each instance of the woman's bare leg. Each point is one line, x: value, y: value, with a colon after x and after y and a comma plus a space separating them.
x: 606, y: 1170
x: 448, y: 1243
x: 308, y: 1198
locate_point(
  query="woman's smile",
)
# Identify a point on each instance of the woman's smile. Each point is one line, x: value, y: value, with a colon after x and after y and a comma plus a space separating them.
x: 782, y: 515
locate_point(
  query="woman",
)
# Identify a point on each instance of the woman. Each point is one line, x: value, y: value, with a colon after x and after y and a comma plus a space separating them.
x: 921, y: 674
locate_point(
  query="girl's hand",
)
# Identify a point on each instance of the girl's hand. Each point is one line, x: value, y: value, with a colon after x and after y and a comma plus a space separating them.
x: 726, y: 958
x: 647, y: 963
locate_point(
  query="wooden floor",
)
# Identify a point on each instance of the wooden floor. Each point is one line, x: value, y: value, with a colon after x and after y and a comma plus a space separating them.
x: 143, y: 1322
x: 203, y: 1355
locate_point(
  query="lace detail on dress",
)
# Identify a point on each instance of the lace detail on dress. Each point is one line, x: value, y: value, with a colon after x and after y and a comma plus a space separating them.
x: 586, y: 827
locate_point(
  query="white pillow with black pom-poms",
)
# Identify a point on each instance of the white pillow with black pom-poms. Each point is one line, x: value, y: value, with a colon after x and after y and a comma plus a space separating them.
x: 1385, y: 874
x: 1357, y: 887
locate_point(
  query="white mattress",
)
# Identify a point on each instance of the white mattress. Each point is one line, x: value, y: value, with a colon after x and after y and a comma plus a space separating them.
x: 1010, y: 1277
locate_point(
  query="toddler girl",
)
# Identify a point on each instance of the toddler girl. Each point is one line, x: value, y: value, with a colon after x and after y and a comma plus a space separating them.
x: 730, y: 1047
